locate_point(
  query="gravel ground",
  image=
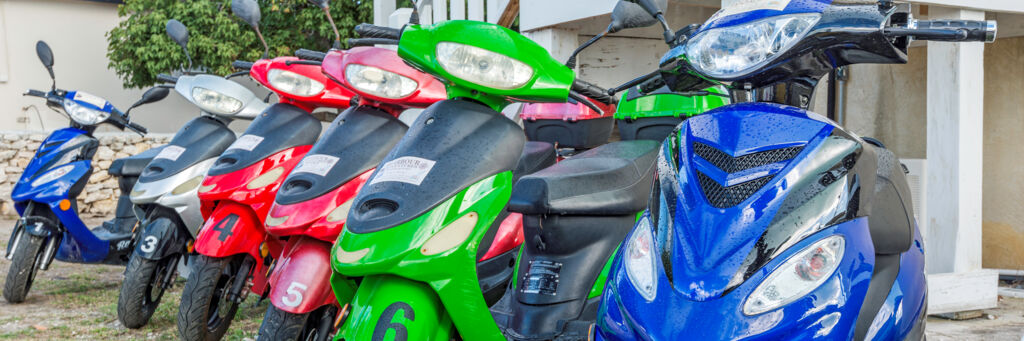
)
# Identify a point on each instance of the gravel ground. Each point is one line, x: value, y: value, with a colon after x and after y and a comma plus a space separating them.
x: 80, y: 301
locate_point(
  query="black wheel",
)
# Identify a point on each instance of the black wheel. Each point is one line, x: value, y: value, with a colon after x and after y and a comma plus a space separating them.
x: 142, y: 289
x: 282, y: 325
x: 24, y: 266
x: 206, y: 312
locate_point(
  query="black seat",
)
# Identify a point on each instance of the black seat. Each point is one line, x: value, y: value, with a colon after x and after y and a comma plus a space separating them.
x: 612, y: 179
x: 132, y: 166
x: 536, y: 156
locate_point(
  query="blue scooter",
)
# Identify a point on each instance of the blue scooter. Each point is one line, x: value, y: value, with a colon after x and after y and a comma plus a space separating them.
x: 45, y: 196
x: 767, y: 221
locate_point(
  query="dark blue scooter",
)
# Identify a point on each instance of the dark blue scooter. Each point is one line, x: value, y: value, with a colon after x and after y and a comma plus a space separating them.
x: 45, y: 196
x: 767, y: 221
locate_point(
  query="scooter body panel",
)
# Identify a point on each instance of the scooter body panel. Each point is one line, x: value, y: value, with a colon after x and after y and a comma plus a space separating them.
x: 176, y: 192
x: 231, y: 229
x: 317, y: 217
x: 299, y: 283
x: 161, y: 237
x: 389, y: 307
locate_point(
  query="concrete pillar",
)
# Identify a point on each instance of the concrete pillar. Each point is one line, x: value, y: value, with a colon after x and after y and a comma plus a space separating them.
x: 382, y: 10
x: 560, y: 42
x: 953, y: 183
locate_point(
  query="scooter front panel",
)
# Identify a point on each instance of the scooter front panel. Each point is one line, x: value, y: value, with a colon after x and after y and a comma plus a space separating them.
x: 179, y: 192
x: 322, y: 217
x: 829, y: 312
x: 53, y: 185
x: 298, y: 283
x: 61, y: 147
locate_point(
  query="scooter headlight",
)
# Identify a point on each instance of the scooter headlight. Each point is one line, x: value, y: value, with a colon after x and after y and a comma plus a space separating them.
x: 84, y: 115
x: 798, y: 276
x: 639, y: 260
x: 54, y: 174
x: 215, y: 102
x: 378, y: 82
x: 483, y: 67
x: 293, y: 83
x: 732, y: 51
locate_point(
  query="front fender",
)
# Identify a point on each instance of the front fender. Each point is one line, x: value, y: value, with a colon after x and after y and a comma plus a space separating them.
x: 231, y: 229
x: 301, y: 279
x: 65, y: 186
x: 391, y: 305
x: 40, y: 226
x: 160, y: 238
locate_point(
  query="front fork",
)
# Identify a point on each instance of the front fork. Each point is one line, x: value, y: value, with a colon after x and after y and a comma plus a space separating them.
x: 19, y: 234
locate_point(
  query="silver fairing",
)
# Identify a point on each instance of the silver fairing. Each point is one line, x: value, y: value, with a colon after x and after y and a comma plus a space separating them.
x: 251, y: 104
x: 186, y: 204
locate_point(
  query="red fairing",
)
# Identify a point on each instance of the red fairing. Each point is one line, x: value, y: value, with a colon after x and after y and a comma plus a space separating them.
x: 570, y: 112
x: 333, y: 95
x: 509, y: 236
x: 430, y: 90
x: 234, y: 186
x: 298, y: 284
x: 310, y: 217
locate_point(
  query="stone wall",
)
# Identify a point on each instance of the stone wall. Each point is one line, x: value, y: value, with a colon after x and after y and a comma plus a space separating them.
x: 100, y: 195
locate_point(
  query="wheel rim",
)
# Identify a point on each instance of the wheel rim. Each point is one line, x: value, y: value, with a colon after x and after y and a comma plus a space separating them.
x: 155, y: 288
x: 220, y: 306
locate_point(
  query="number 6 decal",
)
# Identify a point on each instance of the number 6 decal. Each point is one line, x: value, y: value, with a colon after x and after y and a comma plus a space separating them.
x: 294, y: 296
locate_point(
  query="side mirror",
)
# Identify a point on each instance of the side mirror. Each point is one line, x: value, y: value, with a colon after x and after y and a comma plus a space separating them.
x: 654, y: 10
x: 179, y: 34
x: 326, y: 7
x: 46, y: 56
x: 249, y: 11
x: 628, y: 15
x: 154, y: 94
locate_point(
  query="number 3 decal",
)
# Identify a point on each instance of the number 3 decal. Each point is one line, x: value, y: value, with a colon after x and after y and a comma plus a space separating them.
x: 384, y: 324
x: 294, y: 296
x: 149, y: 244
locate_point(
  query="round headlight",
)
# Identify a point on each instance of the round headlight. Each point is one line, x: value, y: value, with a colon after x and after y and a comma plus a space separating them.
x: 293, y: 83
x: 215, y: 102
x: 483, y: 67
x: 83, y: 114
x: 733, y: 51
x: 379, y: 82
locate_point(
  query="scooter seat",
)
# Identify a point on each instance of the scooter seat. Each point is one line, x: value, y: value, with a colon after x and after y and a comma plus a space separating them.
x: 613, y: 179
x: 536, y: 156
x: 132, y: 166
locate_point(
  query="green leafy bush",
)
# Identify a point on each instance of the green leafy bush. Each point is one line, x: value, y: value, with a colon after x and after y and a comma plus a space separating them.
x: 139, y: 49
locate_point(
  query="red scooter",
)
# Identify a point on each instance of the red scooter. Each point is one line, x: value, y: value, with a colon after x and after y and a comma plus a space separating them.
x: 234, y: 251
x: 312, y: 205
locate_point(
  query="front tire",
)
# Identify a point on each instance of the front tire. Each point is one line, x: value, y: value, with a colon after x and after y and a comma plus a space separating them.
x: 282, y: 325
x: 142, y: 289
x: 24, y: 266
x: 205, y: 312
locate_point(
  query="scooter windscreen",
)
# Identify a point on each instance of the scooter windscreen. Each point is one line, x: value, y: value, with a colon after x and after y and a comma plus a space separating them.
x: 356, y: 141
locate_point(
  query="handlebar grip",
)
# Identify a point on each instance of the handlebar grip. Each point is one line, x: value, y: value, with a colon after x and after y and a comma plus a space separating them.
x: 976, y: 30
x: 242, y: 65
x: 35, y: 93
x: 353, y: 42
x: 651, y: 85
x: 592, y: 91
x: 374, y: 31
x: 166, y: 78
x: 310, y: 54
x: 136, y: 127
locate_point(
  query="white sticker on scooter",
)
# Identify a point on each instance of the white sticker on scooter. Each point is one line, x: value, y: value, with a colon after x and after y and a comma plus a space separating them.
x: 318, y: 164
x: 407, y: 169
x: 246, y: 142
x: 743, y: 6
x: 86, y: 97
x: 171, y: 152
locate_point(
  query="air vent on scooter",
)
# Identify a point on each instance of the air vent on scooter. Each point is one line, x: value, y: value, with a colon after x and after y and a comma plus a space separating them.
x: 723, y: 197
x: 226, y: 161
x: 731, y: 164
x: 377, y: 208
x: 296, y: 186
x: 152, y: 170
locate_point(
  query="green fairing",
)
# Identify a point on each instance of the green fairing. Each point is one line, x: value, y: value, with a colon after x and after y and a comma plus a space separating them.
x: 450, y: 275
x: 602, y: 278
x: 550, y: 82
x: 669, y: 105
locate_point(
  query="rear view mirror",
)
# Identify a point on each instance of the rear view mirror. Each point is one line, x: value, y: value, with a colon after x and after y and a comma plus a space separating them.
x: 46, y: 56
x: 178, y: 33
x: 319, y: 3
x: 630, y: 15
x: 154, y: 94
x: 249, y: 11
x: 324, y: 5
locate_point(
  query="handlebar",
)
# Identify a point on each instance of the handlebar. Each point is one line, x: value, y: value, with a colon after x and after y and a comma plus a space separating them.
x: 310, y: 54
x: 166, y: 78
x: 353, y: 42
x: 242, y: 65
x: 136, y: 127
x: 35, y: 93
x: 592, y: 91
x: 636, y: 81
x: 947, y: 30
x: 374, y: 31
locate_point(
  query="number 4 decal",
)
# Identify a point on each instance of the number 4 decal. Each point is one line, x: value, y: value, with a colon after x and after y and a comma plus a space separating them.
x: 225, y: 226
x: 294, y: 295
x: 384, y: 324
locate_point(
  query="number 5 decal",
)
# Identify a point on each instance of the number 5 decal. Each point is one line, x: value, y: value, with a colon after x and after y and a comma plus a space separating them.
x: 294, y: 296
x: 384, y: 323
x: 149, y: 244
